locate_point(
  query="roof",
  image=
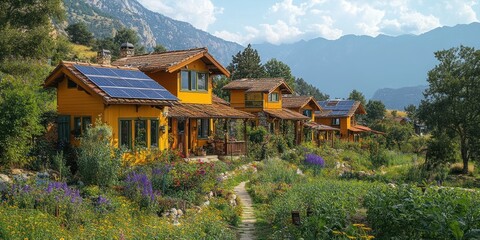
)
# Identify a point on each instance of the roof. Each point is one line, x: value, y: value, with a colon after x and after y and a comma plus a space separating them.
x: 217, y: 99
x: 340, y: 108
x: 320, y: 127
x: 266, y: 85
x: 214, y: 110
x: 361, y: 128
x: 171, y: 61
x: 111, y: 94
x: 285, y: 114
x: 294, y: 102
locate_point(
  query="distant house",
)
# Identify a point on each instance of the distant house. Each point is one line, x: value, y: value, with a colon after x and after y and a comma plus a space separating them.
x: 263, y: 98
x: 342, y: 114
x: 188, y: 75
x: 308, y: 106
x: 132, y: 103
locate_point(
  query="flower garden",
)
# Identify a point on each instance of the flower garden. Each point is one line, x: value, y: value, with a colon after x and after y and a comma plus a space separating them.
x: 349, y: 191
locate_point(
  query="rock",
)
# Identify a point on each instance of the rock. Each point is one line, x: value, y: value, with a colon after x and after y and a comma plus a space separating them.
x: 43, y: 175
x: 4, y: 182
x: 173, y: 211
x: 16, y: 171
x: 206, y: 203
x: 392, y: 185
x: 21, y: 177
x: 179, y: 212
x: 5, y: 179
x: 210, y: 194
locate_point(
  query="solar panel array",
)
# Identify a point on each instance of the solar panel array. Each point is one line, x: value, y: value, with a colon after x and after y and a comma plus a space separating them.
x: 342, y: 108
x: 121, y: 83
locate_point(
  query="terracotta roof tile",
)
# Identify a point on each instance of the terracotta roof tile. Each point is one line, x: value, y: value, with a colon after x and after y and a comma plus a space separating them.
x: 165, y: 61
x: 259, y: 85
x: 285, y: 114
x: 320, y: 127
x: 293, y: 102
x: 214, y: 110
x: 217, y: 99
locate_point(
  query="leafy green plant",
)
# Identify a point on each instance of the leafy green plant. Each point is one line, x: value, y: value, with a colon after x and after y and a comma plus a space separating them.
x: 98, y: 161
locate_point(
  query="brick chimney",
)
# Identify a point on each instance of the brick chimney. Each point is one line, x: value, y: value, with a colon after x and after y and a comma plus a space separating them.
x: 127, y: 50
x: 104, y: 57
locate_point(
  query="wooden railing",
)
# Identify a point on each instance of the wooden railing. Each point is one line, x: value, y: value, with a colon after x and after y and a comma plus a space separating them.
x: 233, y: 148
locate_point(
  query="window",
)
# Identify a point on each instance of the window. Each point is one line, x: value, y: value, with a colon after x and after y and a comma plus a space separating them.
x: 202, y: 81
x: 307, y: 112
x: 203, y: 128
x: 126, y: 133
x: 71, y: 84
x: 253, y: 100
x: 194, y: 81
x: 80, y: 125
x: 273, y: 97
x: 141, y: 133
x: 336, y: 121
x: 63, y: 129
x: 154, y: 133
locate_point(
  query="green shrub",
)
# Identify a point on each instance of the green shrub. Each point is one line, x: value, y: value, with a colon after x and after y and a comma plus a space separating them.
x: 98, y: 161
x: 407, y: 212
x: 324, y: 206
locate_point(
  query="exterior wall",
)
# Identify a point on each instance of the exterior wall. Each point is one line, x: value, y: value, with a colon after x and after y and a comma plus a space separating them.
x: 77, y: 103
x: 272, y: 105
x: 344, y: 125
x: 114, y: 113
x: 168, y: 80
x: 172, y: 82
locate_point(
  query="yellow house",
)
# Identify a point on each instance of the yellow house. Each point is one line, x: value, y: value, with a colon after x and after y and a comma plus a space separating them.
x: 341, y: 114
x: 188, y: 75
x: 129, y: 101
x: 307, y: 106
x: 264, y: 97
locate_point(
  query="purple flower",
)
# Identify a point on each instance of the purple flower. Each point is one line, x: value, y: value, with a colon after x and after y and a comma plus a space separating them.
x: 140, y: 182
x: 102, y: 200
x: 67, y: 192
x: 315, y: 160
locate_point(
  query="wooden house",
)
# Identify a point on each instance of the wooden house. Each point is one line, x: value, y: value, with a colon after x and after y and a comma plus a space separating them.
x: 132, y: 103
x: 263, y: 97
x: 308, y: 106
x: 341, y: 114
x: 188, y: 75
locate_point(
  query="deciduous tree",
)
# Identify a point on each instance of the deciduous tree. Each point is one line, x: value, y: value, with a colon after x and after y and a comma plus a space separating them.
x: 375, y: 111
x: 451, y: 103
x: 357, y: 96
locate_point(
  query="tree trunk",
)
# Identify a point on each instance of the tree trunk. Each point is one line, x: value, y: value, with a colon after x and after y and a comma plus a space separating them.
x: 464, y: 154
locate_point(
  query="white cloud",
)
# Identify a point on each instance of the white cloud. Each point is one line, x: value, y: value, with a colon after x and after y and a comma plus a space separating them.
x: 326, y: 29
x: 200, y: 13
x: 280, y: 32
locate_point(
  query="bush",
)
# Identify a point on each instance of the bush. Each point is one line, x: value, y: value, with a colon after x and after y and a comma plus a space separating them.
x: 407, y: 212
x: 325, y: 207
x: 98, y: 161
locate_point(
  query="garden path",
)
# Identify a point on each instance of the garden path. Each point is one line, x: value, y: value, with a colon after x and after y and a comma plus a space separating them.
x: 247, y: 227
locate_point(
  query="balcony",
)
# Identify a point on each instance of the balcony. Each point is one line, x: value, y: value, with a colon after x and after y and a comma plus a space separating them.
x: 253, y: 104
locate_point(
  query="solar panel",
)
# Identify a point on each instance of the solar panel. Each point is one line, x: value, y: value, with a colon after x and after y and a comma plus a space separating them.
x: 121, y: 83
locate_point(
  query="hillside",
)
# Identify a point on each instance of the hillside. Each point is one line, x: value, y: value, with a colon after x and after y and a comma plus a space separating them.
x: 103, y: 17
x: 369, y: 63
x: 400, y: 97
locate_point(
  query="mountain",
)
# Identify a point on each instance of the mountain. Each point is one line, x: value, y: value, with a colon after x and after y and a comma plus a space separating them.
x: 400, y: 97
x: 365, y: 63
x: 104, y: 17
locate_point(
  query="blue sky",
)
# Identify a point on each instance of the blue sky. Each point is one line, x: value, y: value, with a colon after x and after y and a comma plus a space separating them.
x: 287, y: 21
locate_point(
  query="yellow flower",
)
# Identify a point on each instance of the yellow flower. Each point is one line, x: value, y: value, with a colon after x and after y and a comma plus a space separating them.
x: 366, y: 229
x: 359, y: 225
x: 62, y: 238
x: 25, y: 239
x: 337, y: 232
x: 351, y: 237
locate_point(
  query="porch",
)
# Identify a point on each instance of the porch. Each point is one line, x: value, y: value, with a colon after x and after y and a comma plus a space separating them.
x: 198, y: 130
